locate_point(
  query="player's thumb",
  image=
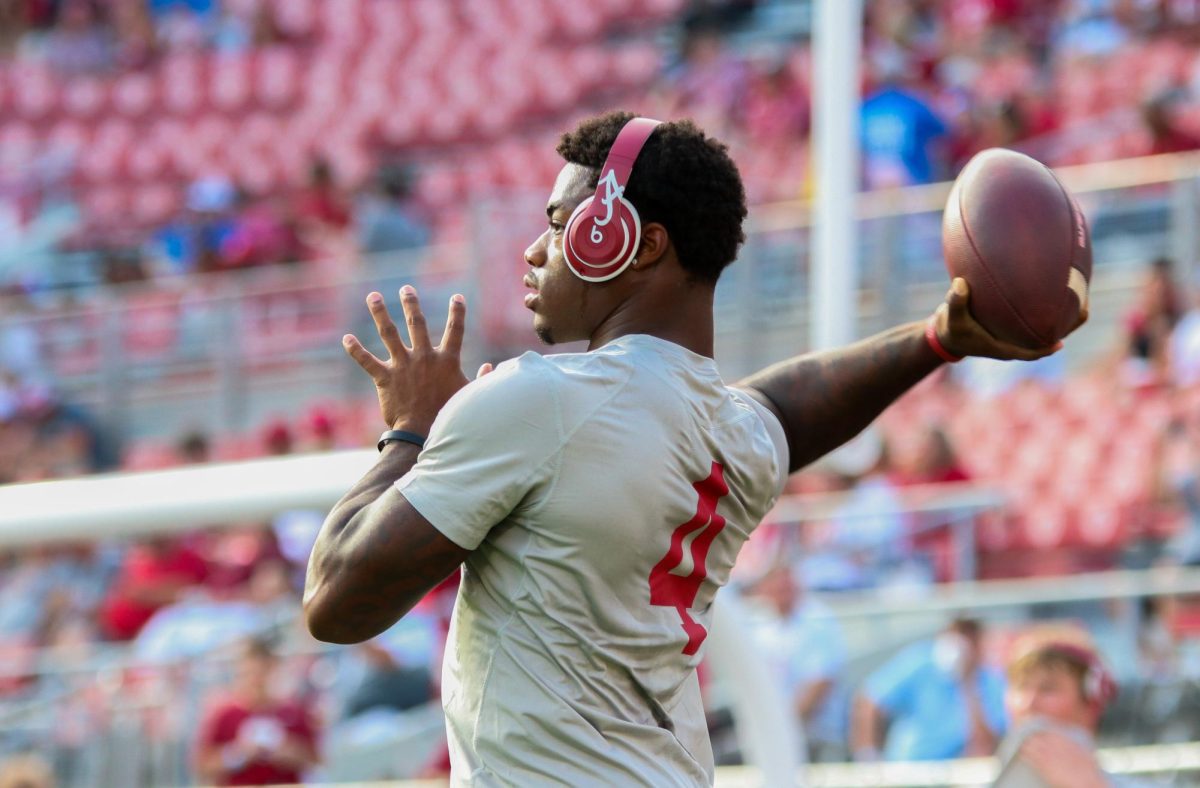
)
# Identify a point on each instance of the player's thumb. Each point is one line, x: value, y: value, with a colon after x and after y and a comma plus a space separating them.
x: 958, y: 295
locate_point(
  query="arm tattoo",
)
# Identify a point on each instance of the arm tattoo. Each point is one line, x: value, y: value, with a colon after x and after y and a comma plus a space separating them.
x: 825, y: 399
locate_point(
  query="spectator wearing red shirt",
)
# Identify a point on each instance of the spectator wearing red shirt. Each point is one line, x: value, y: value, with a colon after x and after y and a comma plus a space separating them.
x: 323, y: 203
x: 251, y: 737
x: 933, y: 460
x: 154, y: 574
x: 1166, y: 136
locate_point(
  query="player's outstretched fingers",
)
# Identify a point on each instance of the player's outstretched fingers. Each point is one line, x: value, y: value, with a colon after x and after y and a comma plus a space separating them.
x: 456, y: 325
x: 418, y: 332
x: 365, y: 358
x: 484, y: 369
x: 386, y: 328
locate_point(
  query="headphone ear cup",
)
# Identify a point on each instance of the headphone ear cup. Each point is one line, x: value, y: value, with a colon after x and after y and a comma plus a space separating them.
x: 575, y: 249
x: 598, y: 252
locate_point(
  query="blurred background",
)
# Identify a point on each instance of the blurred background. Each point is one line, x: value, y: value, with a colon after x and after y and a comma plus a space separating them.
x: 196, y: 196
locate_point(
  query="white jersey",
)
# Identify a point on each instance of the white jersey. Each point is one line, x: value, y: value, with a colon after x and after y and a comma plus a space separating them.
x: 605, y: 495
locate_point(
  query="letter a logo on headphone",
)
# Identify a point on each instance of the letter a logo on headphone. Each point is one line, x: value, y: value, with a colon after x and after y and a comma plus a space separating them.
x: 604, y: 232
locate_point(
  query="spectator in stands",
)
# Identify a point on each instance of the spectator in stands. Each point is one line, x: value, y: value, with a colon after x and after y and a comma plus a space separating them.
x: 386, y: 219
x: 153, y: 574
x: 20, y: 357
x: 1057, y: 694
x: 277, y: 438
x: 1166, y: 134
x: 263, y: 232
x: 804, y: 648
x: 931, y: 459
x: 322, y: 206
x: 1089, y: 29
x: 193, y: 449
x: 184, y: 24
x: 775, y: 111
x: 240, y: 27
x: 902, y: 137
x: 13, y: 22
x: 205, y: 619
x: 936, y: 699
x: 866, y: 543
x: 1176, y: 485
x: 717, y: 14
x: 709, y: 81
x: 193, y: 242
x: 1149, y: 325
x: 137, y: 39
x: 319, y: 429
x: 81, y: 42
x: 399, y: 664
x: 42, y: 587
x: 1183, y: 349
x: 252, y: 737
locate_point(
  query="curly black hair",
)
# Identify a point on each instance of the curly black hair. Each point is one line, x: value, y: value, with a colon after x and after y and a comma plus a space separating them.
x: 682, y: 179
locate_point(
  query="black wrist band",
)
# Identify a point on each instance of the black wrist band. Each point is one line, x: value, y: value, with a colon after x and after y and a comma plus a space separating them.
x: 400, y: 435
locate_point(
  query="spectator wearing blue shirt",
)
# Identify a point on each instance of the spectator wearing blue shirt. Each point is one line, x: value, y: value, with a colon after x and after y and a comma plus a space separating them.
x: 936, y: 699
x: 900, y: 133
x: 802, y: 644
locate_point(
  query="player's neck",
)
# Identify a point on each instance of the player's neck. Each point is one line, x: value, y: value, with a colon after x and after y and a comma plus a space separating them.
x: 685, y: 319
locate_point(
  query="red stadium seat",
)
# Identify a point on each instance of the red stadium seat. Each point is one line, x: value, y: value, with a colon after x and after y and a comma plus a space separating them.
x: 85, y: 97
x: 230, y: 83
x: 278, y: 73
x: 134, y: 94
x: 182, y: 78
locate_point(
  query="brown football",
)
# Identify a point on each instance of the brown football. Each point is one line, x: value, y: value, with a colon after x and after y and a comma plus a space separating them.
x: 1014, y: 232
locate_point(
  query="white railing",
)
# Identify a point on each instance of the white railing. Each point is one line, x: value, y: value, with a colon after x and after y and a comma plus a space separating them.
x: 225, y: 349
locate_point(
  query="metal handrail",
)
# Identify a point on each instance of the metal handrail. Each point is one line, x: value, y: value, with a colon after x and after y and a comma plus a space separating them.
x: 931, y: 197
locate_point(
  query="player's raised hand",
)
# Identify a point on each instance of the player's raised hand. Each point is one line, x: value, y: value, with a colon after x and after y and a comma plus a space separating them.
x: 961, y: 334
x: 415, y: 381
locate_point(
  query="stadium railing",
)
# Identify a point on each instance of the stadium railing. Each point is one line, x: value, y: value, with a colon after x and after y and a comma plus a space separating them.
x: 228, y: 350
x: 105, y: 507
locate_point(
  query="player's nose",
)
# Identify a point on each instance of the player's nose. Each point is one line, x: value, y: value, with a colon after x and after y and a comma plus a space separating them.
x: 535, y: 253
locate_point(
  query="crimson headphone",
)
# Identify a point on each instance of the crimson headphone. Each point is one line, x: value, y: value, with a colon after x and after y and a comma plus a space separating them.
x: 1099, y: 687
x: 602, y: 236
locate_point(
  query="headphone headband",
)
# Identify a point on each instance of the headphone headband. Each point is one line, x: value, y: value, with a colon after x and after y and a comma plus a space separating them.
x: 624, y: 151
x: 1099, y: 687
x: 604, y: 232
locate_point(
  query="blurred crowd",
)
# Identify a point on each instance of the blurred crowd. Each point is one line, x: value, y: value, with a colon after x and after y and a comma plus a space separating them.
x: 96, y: 36
x: 942, y: 81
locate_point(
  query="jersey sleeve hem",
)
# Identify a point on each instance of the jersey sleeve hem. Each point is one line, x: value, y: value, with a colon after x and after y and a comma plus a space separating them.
x: 444, y: 521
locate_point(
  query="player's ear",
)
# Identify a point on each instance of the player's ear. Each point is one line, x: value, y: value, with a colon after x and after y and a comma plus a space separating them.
x: 655, y: 243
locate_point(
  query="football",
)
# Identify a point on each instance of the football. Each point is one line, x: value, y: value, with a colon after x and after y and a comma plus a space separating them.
x: 1018, y: 237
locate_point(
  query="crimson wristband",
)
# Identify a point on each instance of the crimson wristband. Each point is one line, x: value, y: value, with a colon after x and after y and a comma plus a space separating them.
x: 932, y: 338
x: 400, y: 435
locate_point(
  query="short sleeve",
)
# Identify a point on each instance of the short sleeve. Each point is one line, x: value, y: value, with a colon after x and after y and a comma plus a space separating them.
x: 491, y: 445
x: 774, y: 430
x: 891, y: 686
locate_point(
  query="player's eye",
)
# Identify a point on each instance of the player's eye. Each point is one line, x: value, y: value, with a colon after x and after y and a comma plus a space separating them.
x: 557, y: 227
